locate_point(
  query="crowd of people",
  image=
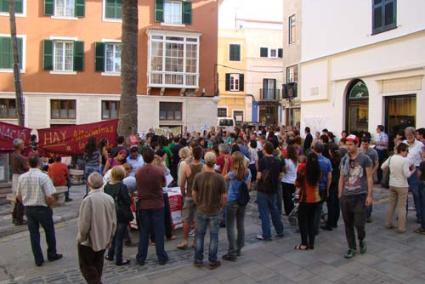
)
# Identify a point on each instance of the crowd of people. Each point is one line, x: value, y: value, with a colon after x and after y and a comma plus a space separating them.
x: 218, y: 172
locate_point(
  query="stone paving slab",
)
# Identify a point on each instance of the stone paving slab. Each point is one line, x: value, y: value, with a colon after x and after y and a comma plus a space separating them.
x: 391, y: 258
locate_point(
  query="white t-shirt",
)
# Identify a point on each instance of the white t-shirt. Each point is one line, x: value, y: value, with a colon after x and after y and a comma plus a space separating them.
x: 291, y: 172
x: 399, y: 170
x: 415, y: 152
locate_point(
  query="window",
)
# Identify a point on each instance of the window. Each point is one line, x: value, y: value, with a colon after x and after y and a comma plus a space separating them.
x: 170, y: 111
x: 235, y: 82
x: 63, y: 55
x: 280, y: 53
x: 19, y: 7
x: 357, y: 112
x: 110, y: 109
x: 64, y: 8
x: 384, y: 16
x: 63, y: 109
x: 269, y: 89
x: 222, y: 112
x: 6, y: 55
x: 264, y: 52
x: 234, y: 52
x: 273, y: 53
x: 292, y: 74
x: 173, y: 12
x: 112, y: 9
x: 8, y: 109
x: 113, y: 57
x: 63, y: 58
x: 238, y: 115
x: 174, y: 61
x: 291, y: 25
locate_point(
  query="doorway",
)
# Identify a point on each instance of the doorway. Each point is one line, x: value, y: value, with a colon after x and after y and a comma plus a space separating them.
x: 400, y: 112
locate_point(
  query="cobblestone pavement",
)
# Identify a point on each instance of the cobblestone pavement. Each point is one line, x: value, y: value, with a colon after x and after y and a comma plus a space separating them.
x: 391, y: 258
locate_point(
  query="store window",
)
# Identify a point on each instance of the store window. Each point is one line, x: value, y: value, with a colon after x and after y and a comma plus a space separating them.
x: 357, y: 112
x: 400, y: 112
x: 63, y: 109
x: 170, y: 111
x: 110, y: 109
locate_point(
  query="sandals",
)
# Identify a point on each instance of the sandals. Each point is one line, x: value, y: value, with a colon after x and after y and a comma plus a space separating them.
x: 420, y: 231
x: 301, y: 247
x: 182, y: 246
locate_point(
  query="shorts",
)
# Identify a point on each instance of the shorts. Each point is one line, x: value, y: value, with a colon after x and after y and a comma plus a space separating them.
x: 189, y: 210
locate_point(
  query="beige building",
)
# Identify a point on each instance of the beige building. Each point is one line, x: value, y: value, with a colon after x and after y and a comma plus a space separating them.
x: 291, y: 61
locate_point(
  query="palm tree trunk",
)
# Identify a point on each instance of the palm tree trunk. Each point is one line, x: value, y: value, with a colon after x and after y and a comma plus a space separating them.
x: 16, y: 70
x: 128, y: 106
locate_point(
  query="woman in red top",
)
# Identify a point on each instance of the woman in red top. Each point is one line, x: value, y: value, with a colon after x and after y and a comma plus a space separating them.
x: 307, y: 185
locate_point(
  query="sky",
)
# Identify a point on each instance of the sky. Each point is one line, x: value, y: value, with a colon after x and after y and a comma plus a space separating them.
x: 271, y: 10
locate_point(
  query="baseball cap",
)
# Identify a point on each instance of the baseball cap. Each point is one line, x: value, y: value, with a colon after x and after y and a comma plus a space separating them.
x: 352, y: 138
x: 366, y: 138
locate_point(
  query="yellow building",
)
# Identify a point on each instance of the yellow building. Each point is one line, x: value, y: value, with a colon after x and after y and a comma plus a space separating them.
x: 231, y: 74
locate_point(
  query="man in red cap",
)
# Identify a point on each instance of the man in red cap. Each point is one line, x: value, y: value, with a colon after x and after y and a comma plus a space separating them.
x: 355, y: 194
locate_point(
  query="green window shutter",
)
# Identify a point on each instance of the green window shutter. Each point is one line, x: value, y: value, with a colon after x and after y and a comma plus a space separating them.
x: 113, y: 9
x: 241, y: 82
x: 19, y: 6
x: 80, y: 8
x: 227, y: 88
x: 159, y: 11
x: 100, y: 57
x: 235, y: 52
x: 280, y: 52
x: 78, y: 56
x: 48, y: 55
x: 5, y: 53
x: 20, y: 51
x: 187, y: 12
x: 4, y: 6
x: 49, y: 7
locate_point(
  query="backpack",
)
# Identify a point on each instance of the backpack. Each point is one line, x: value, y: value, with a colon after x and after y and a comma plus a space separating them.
x: 243, y: 197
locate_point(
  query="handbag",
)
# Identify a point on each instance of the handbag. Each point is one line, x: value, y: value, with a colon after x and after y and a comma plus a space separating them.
x: 385, y: 182
x: 243, y: 197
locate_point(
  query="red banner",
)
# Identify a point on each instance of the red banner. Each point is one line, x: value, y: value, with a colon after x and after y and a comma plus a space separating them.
x: 9, y: 132
x: 71, y: 140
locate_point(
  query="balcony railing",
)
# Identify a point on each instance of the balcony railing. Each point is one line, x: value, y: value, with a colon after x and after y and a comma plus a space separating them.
x: 270, y: 94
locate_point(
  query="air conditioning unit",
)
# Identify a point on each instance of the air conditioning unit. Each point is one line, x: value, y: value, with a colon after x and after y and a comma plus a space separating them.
x: 289, y: 90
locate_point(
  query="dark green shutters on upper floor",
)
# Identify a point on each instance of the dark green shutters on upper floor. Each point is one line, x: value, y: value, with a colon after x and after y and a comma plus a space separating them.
x: 159, y: 11
x: 79, y: 11
x: 80, y: 8
x: 100, y: 57
x: 78, y: 56
x: 264, y: 52
x: 48, y: 55
x: 19, y: 6
x: 113, y: 9
x: 187, y: 13
x: 6, y: 55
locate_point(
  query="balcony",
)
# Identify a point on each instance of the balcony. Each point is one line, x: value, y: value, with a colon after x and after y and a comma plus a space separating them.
x: 270, y: 95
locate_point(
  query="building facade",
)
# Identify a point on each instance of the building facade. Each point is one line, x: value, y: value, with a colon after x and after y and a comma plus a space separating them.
x: 362, y: 69
x: 291, y: 60
x: 250, y: 71
x: 71, y: 62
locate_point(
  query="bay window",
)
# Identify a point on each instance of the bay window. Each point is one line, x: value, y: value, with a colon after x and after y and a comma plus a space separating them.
x: 173, y: 61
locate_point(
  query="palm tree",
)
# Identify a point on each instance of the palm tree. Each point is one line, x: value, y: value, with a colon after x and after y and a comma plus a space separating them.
x: 128, y: 106
x: 16, y: 70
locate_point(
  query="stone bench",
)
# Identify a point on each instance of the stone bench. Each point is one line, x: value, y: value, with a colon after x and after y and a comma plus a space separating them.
x: 60, y: 195
x: 76, y: 176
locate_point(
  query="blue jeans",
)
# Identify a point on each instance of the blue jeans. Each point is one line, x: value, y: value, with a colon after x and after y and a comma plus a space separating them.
x: 235, y: 215
x: 267, y: 205
x: 421, y: 192
x: 36, y: 216
x: 202, y: 222
x: 117, y: 243
x: 414, y: 188
x: 151, y: 220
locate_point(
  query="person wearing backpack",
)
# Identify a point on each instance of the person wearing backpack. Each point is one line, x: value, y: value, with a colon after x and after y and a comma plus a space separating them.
x: 239, y: 179
x: 119, y: 192
x: 268, y: 179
